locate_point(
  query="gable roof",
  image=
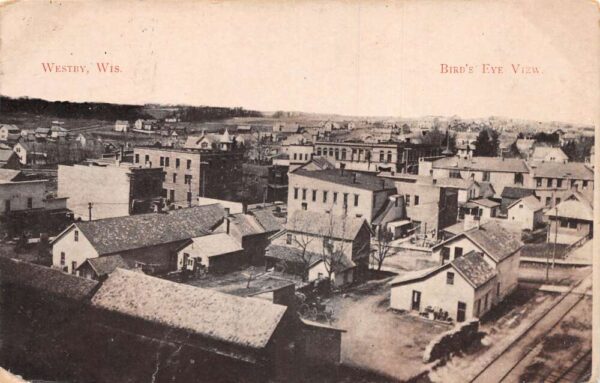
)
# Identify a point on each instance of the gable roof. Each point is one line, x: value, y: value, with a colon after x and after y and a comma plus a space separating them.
x: 216, y: 244
x: 112, y: 235
x: 363, y: 181
x: 492, y: 164
x: 267, y: 220
x: 246, y: 224
x: 42, y: 278
x: 325, y: 225
x: 572, y: 170
x: 491, y: 238
x: 245, y: 322
x: 575, y: 206
x: 516, y: 193
x: 105, y: 265
x: 6, y: 154
x: 485, y: 202
x: 342, y: 264
x: 471, y: 266
x: 530, y: 202
x: 8, y: 175
x: 542, y: 152
x: 290, y: 254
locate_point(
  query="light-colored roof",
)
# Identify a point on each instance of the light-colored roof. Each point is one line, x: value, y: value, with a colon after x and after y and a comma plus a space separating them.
x: 530, y: 202
x: 325, y: 225
x: 575, y: 206
x: 348, y: 178
x: 457, y: 183
x: 112, y: 235
x: 245, y: 322
x: 492, y: 164
x: 216, y: 244
x: 7, y: 175
x: 486, y: 202
x: 570, y: 170
x: 543, y: 152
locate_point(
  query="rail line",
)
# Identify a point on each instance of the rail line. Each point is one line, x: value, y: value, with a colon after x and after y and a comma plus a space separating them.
x: 535, y: 322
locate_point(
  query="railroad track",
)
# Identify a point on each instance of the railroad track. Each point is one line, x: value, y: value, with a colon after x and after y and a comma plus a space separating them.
x: 534, y: 347
x: 574, y: 372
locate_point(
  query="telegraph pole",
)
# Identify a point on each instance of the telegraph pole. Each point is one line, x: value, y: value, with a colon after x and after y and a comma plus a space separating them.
x: 90, y: 205
x: 555, y: 235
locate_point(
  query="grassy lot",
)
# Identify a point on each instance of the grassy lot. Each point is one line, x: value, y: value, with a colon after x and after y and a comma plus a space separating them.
x: 32, y: 121
x: 388, y: 343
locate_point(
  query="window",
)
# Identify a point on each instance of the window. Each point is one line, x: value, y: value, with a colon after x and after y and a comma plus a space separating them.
x: 314, y: 195
x: 146, y: 158
x: 189, y: 164
x: 572, y: 224
x: 177, y: 162
x: 29, y: 203
x: 76, y: 235
x: 295, y: 193
x: 335, y: 197
x: 485, y: 301
x: 455, y: 174
x: 407, y: 199
x: 344, y: 154
x: 318, y: 151
x: 337, y: 154
x: 324, y: 196
x: 174, y: 177
x: 73, y: 267
x: 573, y: 184
x: 137, y: 158
x: 381, y: 156
x: 167, y: 162
x: 538, y: 182
x: 295, y: 155
x: 62, y: 258
x: 304, y: 206
x: 563, y: 222
x: 548, y: 201
x: 486, y: 176
x: 187, y: 179
x: 445, y: 254
x: 330, y: 152
x: 303, y: 194
x: 449, y: 278
x: 519, y: 178
x: 557, y: 201
x: 559, y: 183
x: 356, y: 200
x: 162, y: 161
x: 549, y: 182
x: 458, y: 252
x: 416, y: 200
x: 288, y: 239
x: 584, y: 184
x: 172, y: 195
x: 345, y: 199
x: 389, y: 156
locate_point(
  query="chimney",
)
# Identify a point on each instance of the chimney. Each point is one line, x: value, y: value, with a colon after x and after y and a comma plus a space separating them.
x: 227, y: 212
x: 244, y: 208
x: 227, y: 223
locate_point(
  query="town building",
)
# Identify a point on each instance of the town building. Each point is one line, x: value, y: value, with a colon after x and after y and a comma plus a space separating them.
x: 527, y: 212
x: 9, y: 133
x: 146, y: 241
x: 8, y: 158
x: 553, y: 181
x: 338, y: 192
x: 212, y: 141
x: 500, y: 249
x: 214, y: 253
x: 121, y: 126
x: 113, y: 190
x: 548, y: 154
x: 99, y: 268
x: 277, y: 182
x: 375, y: 157
x: 499, y: 172
x: 464, y: 288
x: 191, y: 173
x: 512, y: 194
x: 482, y: 209
x: 467, y: 189
x: 571, y: 220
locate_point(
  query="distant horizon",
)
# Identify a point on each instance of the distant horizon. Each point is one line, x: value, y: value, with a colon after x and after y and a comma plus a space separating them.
x: 307, y: 113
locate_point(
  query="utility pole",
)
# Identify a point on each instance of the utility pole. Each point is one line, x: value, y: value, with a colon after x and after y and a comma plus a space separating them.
x: 189, y: 192
x: 90, y: 205
x: 555, y: 234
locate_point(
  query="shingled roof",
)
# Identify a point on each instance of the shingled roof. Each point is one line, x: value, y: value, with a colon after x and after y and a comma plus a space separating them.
x: 267, y: 220
x: 474, y: 268
x: 492, y: 164
x: 112, y: 235
x: 570, y: 170
x: 245, y: 322
x: 106, y: 264
x: 575, y: 206
x: 516, y: 193
x: 41, y: 278
x: 325, y: 225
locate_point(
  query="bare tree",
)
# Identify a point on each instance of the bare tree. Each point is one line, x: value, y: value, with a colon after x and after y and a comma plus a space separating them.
x: 333, y: 252
x: 383, y: 240
x: 302, y: 241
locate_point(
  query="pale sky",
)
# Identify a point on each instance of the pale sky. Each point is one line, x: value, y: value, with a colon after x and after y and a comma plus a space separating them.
x: 345, y: 57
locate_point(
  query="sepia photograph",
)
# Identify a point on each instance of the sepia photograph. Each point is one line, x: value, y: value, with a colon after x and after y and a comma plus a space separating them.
x: 299, y: 191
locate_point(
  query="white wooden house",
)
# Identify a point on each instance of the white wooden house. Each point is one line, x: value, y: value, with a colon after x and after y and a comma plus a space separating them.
x: 527, y: 212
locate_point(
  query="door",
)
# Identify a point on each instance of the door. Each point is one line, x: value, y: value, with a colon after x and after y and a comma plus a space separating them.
x: 416, y: 300
x: 461, y: 312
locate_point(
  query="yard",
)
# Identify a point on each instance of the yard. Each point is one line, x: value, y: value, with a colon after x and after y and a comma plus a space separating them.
x: 379, y: 340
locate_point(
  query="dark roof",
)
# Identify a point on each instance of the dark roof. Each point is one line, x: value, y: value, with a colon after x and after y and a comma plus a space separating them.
x: 246, y: 322
x: 106, y: 264
x: 516, y: 193
x: 53, y: 281
x: 495, y: 240
x: 112, y: 235
x: 486, y: 202
x: 363, y: 181
x: 474, y: 268
x: 246, y: 224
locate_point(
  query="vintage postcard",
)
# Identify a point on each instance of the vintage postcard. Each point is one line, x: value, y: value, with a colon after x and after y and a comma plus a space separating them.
x: 299, y: 191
